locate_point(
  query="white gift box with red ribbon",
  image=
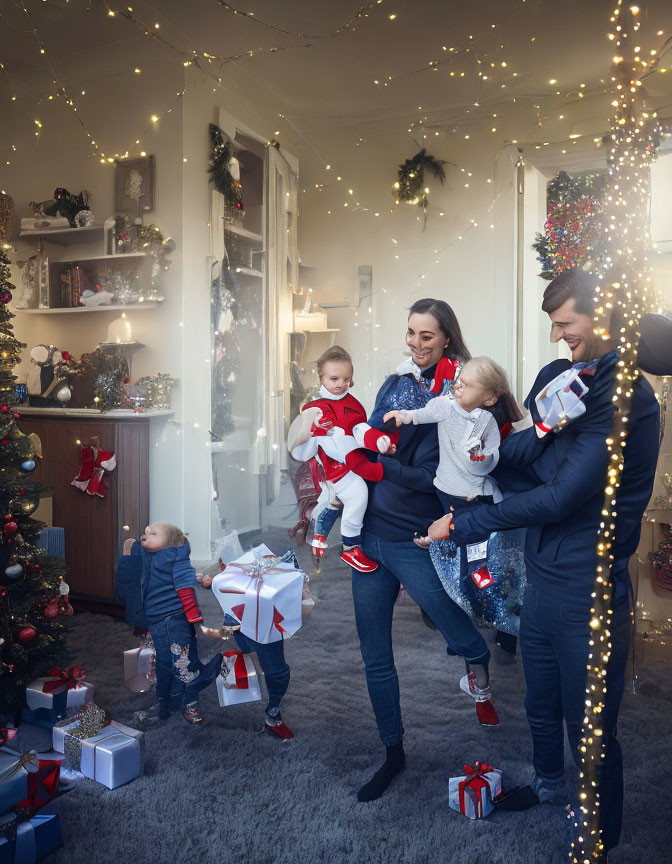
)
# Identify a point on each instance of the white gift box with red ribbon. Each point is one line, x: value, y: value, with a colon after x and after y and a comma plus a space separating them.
x: 262, y: 593
x: 241, y: 681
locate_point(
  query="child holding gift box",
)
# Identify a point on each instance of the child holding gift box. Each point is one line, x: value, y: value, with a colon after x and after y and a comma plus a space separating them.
x: 160, y: 562
x: 469, y: 441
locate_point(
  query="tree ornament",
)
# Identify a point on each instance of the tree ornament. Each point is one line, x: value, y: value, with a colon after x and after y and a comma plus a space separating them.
x: 410, y: 184
x: 14, y: 572
x: 64, y: 395
x: 28, y: 465
x: 10, y: 527
x: 27, y: 635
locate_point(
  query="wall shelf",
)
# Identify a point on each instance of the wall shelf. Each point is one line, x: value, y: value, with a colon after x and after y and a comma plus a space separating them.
x: 66, y: 236
x: 249, y: 271
x: 61, y: 310
x: 239, y: 231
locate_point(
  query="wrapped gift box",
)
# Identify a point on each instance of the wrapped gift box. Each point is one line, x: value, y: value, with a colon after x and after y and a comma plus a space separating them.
x: 139, y: 669
x: 14, y: 770
x: 52, y: 540
x: 113, y: 757
x: 241, y: 683
x: 46, y: 709
x: 262, y: 593
x: 473, y: 793
x: 29, y: 841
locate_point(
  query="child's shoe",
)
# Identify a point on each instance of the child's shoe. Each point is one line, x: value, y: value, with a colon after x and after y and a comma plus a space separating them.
x: 319, y: 544
x: 485, y: 710
x: 357, y: 559
x: 192, y: 713
x: 277, y: 727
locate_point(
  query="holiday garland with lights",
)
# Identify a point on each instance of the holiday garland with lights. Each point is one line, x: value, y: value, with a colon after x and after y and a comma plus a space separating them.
x: 31, y: 640
x: 625, y: 282
x: 574, y: 231
x: 410, y: 185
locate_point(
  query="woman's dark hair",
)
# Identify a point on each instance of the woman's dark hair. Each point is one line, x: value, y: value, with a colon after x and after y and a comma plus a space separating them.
x: 447, y: 321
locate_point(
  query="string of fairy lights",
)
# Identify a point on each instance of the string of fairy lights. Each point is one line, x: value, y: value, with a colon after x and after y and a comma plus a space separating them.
x: 622, y: 298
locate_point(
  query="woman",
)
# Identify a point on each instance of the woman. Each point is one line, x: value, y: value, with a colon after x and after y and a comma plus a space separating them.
x: 400, y: 506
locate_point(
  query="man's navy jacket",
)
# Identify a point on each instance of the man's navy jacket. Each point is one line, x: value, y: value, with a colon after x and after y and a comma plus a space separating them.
x: 558, y: 484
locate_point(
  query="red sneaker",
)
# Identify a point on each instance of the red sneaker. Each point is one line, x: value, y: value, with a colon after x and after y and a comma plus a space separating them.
x: 278, y: 728
x: 357, y: 559
x: 485, y: 710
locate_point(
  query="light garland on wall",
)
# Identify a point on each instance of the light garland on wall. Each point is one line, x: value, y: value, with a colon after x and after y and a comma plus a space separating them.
x: 623, y: 289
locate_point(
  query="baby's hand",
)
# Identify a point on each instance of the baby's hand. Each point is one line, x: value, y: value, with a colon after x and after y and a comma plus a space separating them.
x: 128, y: 545
x: 399, y: 417
x: 384, y: 444
x: 422, y: 542
x: 204, y: 580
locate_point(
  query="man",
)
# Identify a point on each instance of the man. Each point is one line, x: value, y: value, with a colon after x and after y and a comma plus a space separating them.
x: 565, y: 472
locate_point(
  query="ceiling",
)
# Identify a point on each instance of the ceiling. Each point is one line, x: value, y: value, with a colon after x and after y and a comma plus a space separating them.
x: 325, y: 78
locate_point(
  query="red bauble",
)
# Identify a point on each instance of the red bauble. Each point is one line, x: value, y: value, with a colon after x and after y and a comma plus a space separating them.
x: 27, y: 635
x: 10, y: 527
x: 51, y: 609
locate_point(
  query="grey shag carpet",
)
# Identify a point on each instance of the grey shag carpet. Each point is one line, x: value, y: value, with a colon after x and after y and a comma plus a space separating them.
x: 223, y: 792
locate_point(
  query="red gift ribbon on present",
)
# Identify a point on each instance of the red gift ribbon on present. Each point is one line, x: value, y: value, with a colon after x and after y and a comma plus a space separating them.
x: 472, y: 785
x: 239, y: 669
x: 70, y: 677
x: 42, y: 786
x: 257, y: 570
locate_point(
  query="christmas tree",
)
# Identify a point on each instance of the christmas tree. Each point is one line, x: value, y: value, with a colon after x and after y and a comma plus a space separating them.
x: 574, y: 231
x: 31, y: 586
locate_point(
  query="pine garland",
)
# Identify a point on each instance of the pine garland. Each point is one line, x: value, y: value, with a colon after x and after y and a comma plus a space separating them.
x: 410, y: 184
x: 220, y: 171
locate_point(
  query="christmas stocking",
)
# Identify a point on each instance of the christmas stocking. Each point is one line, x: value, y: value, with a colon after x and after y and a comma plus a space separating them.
x: 103, y: 461
x: 85, y: 474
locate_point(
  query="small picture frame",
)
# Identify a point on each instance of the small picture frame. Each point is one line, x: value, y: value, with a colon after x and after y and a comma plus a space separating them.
x: 134, y: 186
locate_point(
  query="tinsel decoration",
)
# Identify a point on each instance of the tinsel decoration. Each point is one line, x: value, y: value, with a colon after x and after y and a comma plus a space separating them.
x: 223, y: 290
x: 109, y: 369
x: 131, y: 237
x: 125, y: 288
x: 410, y: 186
x: 90, y: 721
x: 159, y: 390
x: 221, y: 177
x: 574, y: 231
x: 662, y: 559
x: 63, y: 203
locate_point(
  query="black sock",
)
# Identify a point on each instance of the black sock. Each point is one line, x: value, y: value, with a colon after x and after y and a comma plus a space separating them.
x: 393, y: 765
x: 506, y: 641
x: 521, y: 798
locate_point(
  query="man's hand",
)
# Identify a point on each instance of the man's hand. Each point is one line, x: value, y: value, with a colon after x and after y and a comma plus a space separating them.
x: 440, y: 530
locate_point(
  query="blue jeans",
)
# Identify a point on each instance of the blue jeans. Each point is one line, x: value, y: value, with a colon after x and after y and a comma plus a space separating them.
x: 183, y: 665
x: 554, y: 645
x: 374, y: 595
x: 275, y: 669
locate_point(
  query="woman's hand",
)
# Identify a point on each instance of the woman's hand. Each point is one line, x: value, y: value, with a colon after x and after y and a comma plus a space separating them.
x: 440, y: 530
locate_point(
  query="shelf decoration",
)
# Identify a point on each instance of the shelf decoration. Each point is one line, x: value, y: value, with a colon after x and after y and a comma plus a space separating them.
x: 109, y: 370
x: 63, y: 204
x: 410, y: 184
x: 131, y: 237
x: 662, y: 559
x: 158, y: 390
x: 308, y: 319
x: 51, y: 376
x: 224, y: 172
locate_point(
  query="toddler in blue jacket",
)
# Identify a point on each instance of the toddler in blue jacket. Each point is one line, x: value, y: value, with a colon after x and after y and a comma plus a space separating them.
x: 159, y: 564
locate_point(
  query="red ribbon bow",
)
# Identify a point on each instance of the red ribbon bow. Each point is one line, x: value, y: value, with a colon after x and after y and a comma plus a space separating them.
x: 70, y: 677
x: 239, y: 669
x: 472, y: 785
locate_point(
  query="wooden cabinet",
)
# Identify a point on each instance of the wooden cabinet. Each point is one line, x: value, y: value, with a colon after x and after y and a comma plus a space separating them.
x: 95, y: 528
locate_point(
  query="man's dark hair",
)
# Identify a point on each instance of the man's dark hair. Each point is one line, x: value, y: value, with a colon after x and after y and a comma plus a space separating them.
x: 576, y: 283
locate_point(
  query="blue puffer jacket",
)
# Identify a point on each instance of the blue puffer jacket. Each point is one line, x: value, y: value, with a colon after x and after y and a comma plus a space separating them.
x: 565, y: 475
x: 148, y: 582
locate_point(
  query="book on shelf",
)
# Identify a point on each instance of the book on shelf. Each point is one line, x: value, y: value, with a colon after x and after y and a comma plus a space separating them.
x: 74, y: 281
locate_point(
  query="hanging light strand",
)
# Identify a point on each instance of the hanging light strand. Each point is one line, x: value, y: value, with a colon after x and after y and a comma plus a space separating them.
x: 622, y: 297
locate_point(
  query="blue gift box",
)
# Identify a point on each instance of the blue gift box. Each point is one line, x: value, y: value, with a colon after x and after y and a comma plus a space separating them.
x: 30, y: 841
x: 13, y: 779
x: 48, y: 717
x: 52, y: 540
